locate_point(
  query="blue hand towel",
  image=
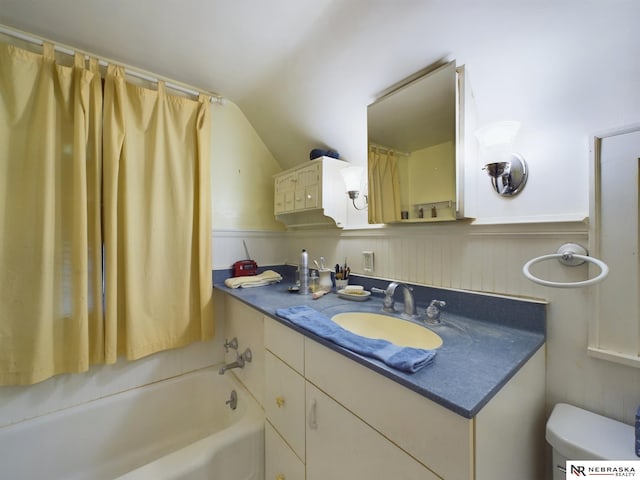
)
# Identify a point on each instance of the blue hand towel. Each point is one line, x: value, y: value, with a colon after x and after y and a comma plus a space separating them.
x: 407, y: 359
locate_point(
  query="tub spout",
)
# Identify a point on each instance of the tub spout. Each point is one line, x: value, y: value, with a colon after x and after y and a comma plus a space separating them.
x: 244, y: 357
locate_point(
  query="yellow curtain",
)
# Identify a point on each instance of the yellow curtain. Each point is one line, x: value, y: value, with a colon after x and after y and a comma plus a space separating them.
x: 156, y: 219
x: 50, y: 241
x: 384, y: 186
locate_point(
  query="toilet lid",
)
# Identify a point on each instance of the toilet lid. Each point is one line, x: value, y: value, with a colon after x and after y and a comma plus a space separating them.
x: 577, y: 434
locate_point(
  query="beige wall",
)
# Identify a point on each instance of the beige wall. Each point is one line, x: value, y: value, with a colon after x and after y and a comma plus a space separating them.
x: 241, y: 173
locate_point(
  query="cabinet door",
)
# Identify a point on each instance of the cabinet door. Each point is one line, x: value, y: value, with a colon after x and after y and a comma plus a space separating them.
x: 434, y: 435
x: 341, y: 446
x: 283, y: 198
x: 280, y: 461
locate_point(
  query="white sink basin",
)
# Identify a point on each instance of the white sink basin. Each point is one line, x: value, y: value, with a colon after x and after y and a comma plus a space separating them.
x: 395, y: 330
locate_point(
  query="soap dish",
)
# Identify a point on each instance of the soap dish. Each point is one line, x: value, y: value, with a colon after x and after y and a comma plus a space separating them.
x: 357, y: 295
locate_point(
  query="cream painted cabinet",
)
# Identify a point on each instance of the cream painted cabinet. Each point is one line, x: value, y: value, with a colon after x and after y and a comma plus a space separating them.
x: 505, y: 440
x: 284, y: 403
x: 307, y: 431
x: 311, y: 194
x: 340, y: 445
x: 329, y: 417
x: 280, y: 461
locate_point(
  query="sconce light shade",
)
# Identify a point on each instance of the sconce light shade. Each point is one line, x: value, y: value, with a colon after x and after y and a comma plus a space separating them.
x: 352, y: 177
x: 498, y: 134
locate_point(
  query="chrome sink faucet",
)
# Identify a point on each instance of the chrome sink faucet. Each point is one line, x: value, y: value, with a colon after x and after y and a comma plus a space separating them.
x: 389, y: 301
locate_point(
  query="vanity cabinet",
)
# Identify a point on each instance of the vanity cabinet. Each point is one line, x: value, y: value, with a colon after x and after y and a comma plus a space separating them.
x: 331, y: 417
x: 311, y: 194
x: 310, y: 435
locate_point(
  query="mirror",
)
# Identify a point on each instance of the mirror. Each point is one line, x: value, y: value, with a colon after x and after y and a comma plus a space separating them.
x: 412, y: 149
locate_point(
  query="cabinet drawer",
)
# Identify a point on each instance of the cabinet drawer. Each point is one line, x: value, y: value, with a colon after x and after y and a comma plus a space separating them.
x: 299, y: 199
x: 280, y: 461
x: 278, y: 204
x: 284, y: 403
x: 429, y: 432
x: 312, y: 197
x: 289, y: 203
x: 285, y: 343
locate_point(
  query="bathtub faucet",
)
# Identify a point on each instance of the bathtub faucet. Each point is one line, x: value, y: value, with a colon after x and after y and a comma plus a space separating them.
x: 244, y: 357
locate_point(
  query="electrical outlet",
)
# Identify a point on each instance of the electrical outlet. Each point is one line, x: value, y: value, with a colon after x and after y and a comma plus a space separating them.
x: 367, y: 261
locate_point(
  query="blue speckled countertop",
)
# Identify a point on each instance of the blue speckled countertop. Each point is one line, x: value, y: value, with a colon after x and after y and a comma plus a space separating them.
x: 479, y: 353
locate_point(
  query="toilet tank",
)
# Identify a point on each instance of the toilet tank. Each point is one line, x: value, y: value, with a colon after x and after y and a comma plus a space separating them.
x: 576, y: 434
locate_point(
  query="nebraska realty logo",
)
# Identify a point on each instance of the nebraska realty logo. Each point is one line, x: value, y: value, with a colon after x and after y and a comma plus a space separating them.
x: 603, y: 468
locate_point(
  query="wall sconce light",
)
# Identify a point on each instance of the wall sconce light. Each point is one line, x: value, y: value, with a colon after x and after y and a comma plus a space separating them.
x: 508, y: 170
x: 352, y: 177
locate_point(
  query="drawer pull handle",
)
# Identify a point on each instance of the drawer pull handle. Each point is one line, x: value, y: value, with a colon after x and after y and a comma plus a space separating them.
x: 280, y: 476
x: 280, y: 402
x: 312, y: 419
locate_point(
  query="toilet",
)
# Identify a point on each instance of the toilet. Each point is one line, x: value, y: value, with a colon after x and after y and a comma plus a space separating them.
x: 576, y: 434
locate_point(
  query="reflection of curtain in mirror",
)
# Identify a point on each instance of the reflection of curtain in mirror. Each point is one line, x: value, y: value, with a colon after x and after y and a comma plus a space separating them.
x: 384, y: 186
x: 50, y: 241
x: 157, y: 219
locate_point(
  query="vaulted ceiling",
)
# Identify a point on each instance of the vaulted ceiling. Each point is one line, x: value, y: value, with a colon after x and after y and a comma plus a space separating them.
x: 303, y: 71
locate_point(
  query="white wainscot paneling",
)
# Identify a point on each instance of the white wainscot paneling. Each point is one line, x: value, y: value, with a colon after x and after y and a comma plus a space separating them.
x: 266, y: 248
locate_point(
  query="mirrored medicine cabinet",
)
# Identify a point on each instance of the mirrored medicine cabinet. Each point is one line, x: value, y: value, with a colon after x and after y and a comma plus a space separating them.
x: 417, y: 149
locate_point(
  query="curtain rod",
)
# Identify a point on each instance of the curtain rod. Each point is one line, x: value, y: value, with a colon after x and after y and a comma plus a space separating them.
x: 388, y: 149
x: 215, y: 98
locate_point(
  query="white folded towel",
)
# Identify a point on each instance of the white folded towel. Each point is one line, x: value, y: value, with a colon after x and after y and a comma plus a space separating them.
x: 265, y: 278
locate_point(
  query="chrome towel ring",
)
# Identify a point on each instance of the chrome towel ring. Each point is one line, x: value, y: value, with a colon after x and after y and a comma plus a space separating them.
x: 570, y: 254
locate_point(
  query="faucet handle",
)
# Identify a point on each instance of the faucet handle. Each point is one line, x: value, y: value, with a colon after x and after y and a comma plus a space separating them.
x: 433, y: 311
x: 438, y: 303
x: 246, y: 356
x: 231, y: 344
x: 388, y: 304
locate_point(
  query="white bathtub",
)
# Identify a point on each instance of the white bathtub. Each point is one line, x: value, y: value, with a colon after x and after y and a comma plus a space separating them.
x: 179, y: 428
